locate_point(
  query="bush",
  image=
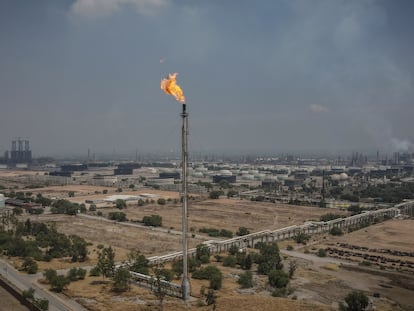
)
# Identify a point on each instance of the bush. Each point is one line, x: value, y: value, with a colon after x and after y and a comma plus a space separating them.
x: 29, y: 265
x: 242, y: 231
x: 215, y: 194
x: 59, y: 283
x: 153, y: 220
x: 117, y: 216
x: 278, y: 278
x: 95, y: 271
x: 356, y: 301
x: 336, y: 231
x: 321, y: 253
x: 230, y: 261
x: 121, y: 280
x: 161, y: 201
x: 120, y: 204
x: 289, y: 248
x: 246, y: 279
x: 211, y: 273
x: 202, y: 253
x: 92, y: 208
x: 301, y: 238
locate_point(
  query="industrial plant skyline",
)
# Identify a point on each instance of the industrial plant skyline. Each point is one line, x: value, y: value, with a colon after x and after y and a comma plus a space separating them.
x: 277, y: 76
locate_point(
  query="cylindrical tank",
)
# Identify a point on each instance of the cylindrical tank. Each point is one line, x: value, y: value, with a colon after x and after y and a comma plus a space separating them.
x: 2, y: 201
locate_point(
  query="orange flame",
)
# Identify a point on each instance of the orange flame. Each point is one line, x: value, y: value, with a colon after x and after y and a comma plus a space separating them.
x: 171, y: 87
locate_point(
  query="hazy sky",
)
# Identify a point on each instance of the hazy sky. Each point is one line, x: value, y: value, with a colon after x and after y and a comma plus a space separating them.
x: 265, y: 75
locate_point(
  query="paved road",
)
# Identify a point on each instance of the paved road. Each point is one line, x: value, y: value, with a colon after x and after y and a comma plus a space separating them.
x: 25, y: 281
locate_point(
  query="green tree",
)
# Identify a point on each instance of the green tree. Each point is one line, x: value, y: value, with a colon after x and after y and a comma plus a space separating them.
x: 211, y: 299
x: 120, y: 204
x: 28, y: 294
x: 92, y: 208
x: 59, y: 283
x: 355, y: 301
x: 121, y: 280
x: 230, y: 261
x: 246, y: 279
x: 49, y: 275
x: 153, y: 220
x: 301, y: 237
x: 215, y: 194
x: 242, y: 231
x: 106, y: 262
x: 292, y: 268
x: 269, y: 258
x: 336, y: 231
x: 117, y: 216
x: 71, y: 194
x: 42, y: 304
x: 278, y: 278
x: 137, y: 262
x: 161, y: 201
x: 79, y: 250
x: 321, y: 253
x: 211, y: 273
x: 202, y: 253
x: 29, y: 265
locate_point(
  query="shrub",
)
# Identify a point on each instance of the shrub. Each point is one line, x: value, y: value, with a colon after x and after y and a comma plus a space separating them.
x: 211, y: 273
x: 246, y: 279
x: 215, y: 194
x: 301, y: 238
x: 121, y: 280
x: 118, y: 216
x: 29, y: 265
x: 336, y: 231
x: 242, y: 231
x: 278, y: 278
x: 230, y: 261
x: 321, y: 252
x: 120, y: 204
x: 153, y: 220
x: 202, y: 253
x: 289, y: 247
x: 95, y: 271
x: 161, y: 201
x: 356, y: 301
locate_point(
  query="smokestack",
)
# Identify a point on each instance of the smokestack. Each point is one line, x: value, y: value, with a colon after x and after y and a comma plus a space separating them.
x: 186, y: 283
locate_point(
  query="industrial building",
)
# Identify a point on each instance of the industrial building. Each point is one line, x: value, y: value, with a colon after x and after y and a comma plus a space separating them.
x: 229, y: 178
x: 20, y: 153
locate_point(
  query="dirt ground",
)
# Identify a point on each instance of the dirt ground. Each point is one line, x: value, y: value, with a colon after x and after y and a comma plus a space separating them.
x: 122, y: 238
x: 229, y: 214
x: 9, y: 303
x: 317, y: 285
x: 318, y: 282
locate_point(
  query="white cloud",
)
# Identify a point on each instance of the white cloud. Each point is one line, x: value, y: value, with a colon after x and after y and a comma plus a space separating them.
x: 101, y: 8
x: 317, y: 108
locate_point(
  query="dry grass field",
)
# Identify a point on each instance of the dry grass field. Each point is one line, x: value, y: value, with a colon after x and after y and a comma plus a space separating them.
x: 229, y: 214
x: 394, y: 283
x: 317, y: 284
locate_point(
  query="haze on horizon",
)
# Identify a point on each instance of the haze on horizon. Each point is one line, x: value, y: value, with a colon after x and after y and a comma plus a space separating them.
x: 283, y: 75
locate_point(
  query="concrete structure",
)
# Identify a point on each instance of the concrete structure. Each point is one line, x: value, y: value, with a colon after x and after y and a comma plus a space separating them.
x: 2, y: 201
